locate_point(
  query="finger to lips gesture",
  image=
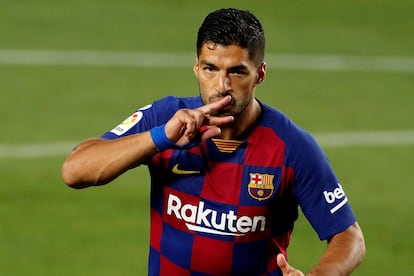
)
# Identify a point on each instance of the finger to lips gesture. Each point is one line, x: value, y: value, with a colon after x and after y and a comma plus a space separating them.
x: 186, y: 124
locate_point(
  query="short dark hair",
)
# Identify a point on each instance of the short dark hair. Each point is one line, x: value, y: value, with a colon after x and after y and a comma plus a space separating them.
x: 233, y: 27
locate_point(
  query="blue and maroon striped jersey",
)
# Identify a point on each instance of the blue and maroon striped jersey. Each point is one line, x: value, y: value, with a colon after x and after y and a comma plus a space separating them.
x: 228, y: 207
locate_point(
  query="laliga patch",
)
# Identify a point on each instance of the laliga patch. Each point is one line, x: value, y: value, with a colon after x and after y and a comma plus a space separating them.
x: 128, y: 123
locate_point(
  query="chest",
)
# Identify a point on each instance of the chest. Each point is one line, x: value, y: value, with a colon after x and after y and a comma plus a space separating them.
x: 246, y: 173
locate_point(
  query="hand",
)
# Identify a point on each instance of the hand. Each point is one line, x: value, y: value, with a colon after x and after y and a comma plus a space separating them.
x: 186, y: 123
x: 287, y: 270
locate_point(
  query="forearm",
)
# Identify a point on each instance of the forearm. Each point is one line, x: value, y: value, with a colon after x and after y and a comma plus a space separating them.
x: 343, y: 254
x: 97, y: 161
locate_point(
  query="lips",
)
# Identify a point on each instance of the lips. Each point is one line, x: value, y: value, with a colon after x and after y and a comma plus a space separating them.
x: 220, y: 96
x: 225, y: 111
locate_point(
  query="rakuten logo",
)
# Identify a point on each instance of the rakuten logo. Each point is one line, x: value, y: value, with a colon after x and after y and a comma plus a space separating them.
x: 201, y: 219
x: 332, y: 196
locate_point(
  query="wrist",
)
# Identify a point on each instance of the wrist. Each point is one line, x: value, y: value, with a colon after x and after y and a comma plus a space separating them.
x: 160, y: 139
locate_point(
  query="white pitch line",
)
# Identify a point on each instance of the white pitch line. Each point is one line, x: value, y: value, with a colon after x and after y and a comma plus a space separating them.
x: 21, y: 151
x: 162, y: 59
x: 94, y: 58
x: 342, y: 63
x: 327, y: 140
x: 365, y: 138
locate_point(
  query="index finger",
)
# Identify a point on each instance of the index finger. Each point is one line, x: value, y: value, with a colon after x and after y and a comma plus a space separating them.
x: 213, y: 107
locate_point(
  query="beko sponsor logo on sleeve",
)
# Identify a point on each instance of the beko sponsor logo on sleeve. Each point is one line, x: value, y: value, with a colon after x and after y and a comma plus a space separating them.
x: 332, y: 198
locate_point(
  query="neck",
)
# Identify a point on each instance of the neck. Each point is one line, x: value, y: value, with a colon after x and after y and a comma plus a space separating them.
x: 242, y: 123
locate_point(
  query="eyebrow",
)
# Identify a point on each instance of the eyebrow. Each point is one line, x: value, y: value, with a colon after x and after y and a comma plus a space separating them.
x: 205, y: 62
x: 233, y: 68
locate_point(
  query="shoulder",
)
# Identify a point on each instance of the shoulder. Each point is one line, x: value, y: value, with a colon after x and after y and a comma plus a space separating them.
x: 174, y: 102
x: 154, y: 114
x: 165, y: 108
x: 299, y: 146
x: 284, y: 127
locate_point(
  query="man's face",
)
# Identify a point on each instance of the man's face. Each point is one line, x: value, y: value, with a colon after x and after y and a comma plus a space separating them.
x: 227, y: 70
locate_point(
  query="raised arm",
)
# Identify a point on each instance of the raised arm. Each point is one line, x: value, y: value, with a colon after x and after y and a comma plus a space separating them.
x: 98, y: 161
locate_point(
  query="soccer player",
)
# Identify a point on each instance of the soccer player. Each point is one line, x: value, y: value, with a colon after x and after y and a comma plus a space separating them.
x: 228, y: 172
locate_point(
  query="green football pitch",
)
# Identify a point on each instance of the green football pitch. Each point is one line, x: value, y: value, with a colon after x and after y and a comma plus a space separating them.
x: 70, y: 70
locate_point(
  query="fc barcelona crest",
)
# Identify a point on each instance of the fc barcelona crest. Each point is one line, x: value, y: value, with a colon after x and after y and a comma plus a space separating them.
x: 261, y: 186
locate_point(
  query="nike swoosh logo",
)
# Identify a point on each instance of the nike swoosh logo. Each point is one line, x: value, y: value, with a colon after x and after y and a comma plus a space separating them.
x: 176, y: 170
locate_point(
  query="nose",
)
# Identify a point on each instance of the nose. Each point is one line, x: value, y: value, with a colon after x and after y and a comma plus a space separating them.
x: 223, y: 84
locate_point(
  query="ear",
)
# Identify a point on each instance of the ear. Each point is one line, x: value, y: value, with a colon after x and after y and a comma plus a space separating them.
x: 196, y: 67
x: 261, y: 73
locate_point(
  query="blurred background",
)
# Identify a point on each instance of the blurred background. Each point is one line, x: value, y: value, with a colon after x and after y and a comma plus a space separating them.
x: 70, y: 70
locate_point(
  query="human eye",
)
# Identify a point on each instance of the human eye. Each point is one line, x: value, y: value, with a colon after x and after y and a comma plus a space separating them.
x: 209, y: 68
x: 238, y: 71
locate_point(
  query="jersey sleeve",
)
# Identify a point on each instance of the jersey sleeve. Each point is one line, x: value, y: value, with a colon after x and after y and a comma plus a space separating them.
x: 145, y: 118
x: 318, y: 191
